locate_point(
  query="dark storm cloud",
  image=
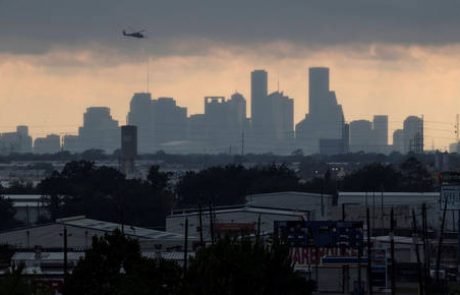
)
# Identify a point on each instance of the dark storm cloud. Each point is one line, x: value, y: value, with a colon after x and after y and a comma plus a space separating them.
x: 36, y: 26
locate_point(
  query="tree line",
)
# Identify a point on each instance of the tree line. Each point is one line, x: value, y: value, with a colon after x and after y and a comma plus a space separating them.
x: 114, y: 265
x: 101, y: 192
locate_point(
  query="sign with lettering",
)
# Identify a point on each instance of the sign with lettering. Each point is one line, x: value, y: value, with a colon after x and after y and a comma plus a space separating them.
x: 451, y: 195
x: 321, y: 234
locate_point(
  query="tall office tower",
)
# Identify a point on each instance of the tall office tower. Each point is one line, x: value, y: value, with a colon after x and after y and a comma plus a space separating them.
x: 281, y: 126
x: 169, y: 123
x: 413, y: 134
x: 261, y: 138
x: 47, y: 145
x: 216, y: 123
x: 318, y: 90
x: 237, y: 108
x: 238, y: 123
x: 325, y: 120
x: 128, y: 149
x: 99, y: 130
x: 259, y: 91
x: 361, y: 136
x: 140, y: 115
x: 398, y: 140
x: 380, y: 127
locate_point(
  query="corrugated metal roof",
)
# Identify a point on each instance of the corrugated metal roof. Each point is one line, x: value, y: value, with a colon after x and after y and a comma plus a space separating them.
x: 134, y: 231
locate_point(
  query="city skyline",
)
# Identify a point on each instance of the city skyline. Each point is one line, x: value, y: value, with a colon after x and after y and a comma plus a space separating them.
x: 381, y: 64
x: 394, y: 123
x: 225, y: 127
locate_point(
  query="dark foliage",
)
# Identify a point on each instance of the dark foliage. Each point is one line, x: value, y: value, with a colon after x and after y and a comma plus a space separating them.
x: 243, y: 267
x: 227, y: 185
x: 114, y: 266
x: 104, y: 193
x: 7, y: 213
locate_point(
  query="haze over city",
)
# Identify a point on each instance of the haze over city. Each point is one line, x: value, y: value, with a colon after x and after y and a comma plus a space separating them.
x: 400, y: 58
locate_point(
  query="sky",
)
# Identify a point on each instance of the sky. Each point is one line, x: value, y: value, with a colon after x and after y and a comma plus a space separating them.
x: 386, y: 57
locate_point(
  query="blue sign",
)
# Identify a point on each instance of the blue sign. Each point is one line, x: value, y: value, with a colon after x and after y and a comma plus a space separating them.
x: 325, y: 234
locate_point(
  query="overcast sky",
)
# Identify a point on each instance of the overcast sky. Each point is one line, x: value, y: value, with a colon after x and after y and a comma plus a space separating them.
x: 386, y: 56
x: 28, y: 26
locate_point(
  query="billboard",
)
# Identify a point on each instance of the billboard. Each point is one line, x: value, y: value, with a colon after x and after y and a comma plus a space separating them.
x: 321, y: 234
x: 451, y: 195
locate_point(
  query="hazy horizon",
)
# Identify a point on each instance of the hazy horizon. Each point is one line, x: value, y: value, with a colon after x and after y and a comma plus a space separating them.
x: 386, y: 57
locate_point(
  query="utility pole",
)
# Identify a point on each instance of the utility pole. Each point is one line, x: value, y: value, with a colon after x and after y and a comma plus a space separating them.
x: 258, y: 228
x: 369, y: 252
x: 201, y: 224
x: 211, y: 223
x: 242, y: 143
x: 65, y: 236
x: 441, y: 233
x: 65, y: 253
x: 457, y: 127
x: 186, y: 246
x: 392, y: 250
x: 426, y: 251
x: 417, y: 253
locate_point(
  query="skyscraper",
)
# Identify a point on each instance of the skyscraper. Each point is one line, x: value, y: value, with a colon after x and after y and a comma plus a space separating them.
x: 318, y: 90
x: 361, y: 136
x: 169, y: 123
x: 398, y: 141
x: 380, y: 126
x: 259, y: 91
x: 140, y: 115
x: 99, y: 130
x: 325, y: 120
x: 413, y: 134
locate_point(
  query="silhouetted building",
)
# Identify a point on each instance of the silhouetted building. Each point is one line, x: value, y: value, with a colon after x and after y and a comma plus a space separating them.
x: 169, y: 123
x: 47, y: 145
x: 454, y: 147
x: 398, y: 141
x: 413, y: 134
x: 16, y: 142
x: 71, y: 143
x: 380, y: 130
x: 281, y: 126
x: 99, y: 130
x: 161, y: 124
x: 361, y: 136
x: 128, y: 149
x: 259, y: 92
x: 221, y: 127
x: 141, y: 115
x: 325, y: 120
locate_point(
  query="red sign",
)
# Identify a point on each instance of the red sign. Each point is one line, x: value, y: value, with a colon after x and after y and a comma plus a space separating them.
x: 312, y: 256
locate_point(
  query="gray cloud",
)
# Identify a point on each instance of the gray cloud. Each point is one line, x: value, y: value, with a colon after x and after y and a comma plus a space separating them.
x: 34, y: 27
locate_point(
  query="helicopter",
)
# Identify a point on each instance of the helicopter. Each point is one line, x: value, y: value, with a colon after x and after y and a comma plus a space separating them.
x: 138, y: 34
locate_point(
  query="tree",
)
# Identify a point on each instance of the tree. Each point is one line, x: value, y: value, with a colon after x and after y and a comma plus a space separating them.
x: 228, y: 185
x: 244, y: 267
x: 13, y: 283
x: 114, y: 265
x: 81, y: 188
x: 415, y: 176
x: 373, y: 177
x: 7, y: 213
x: 157, y: 179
